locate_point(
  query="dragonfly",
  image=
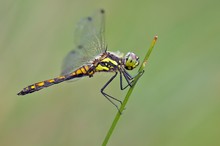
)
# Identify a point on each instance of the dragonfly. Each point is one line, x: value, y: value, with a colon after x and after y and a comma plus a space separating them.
x: 91, y: 56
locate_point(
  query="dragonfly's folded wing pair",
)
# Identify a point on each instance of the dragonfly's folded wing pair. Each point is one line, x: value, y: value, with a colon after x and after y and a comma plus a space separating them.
x: 89, y: 42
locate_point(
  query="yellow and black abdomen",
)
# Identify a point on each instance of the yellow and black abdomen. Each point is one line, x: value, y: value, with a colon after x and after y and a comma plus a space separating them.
x: 82, y: 71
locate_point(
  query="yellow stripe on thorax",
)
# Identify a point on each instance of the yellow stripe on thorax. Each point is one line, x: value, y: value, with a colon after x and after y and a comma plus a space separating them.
x: 100, y: 68
x: 106, y: 60
x: 110, y: 60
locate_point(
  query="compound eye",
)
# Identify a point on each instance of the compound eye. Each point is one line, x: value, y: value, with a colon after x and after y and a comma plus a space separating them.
x: 131, y: 61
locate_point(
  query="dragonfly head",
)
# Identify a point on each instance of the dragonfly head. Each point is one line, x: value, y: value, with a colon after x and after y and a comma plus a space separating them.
x: 131, y: 61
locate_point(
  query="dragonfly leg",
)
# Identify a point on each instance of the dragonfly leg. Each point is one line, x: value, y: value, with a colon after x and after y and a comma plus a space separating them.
x: 121, y: 82
x: 127, y: 74
x: 128, y: 78
x: 110, y: 97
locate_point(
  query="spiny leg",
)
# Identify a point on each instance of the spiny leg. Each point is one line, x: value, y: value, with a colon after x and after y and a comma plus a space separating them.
x: 128, y: 78
x: 121, y: 82
x: 128, y: 75
x: 108, y: 96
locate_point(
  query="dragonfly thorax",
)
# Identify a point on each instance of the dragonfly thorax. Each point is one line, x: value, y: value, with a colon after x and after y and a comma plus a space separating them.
x: 130, y: 61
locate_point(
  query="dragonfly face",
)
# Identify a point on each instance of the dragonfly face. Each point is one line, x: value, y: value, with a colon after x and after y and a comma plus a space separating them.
x: 131, y: 61
x: 90, y: 56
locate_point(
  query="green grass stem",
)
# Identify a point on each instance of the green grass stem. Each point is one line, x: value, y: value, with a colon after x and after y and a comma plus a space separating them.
x: 118, y: 115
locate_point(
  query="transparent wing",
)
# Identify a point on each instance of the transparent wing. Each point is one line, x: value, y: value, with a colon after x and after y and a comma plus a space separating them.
x: 89, y: 42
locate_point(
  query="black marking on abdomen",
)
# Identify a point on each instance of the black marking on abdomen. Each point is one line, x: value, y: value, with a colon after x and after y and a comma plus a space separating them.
x: 40, y: 85
x: 83, y: 71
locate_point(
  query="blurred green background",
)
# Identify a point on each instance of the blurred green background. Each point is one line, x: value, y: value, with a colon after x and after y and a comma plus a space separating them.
x: 175, y: 103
